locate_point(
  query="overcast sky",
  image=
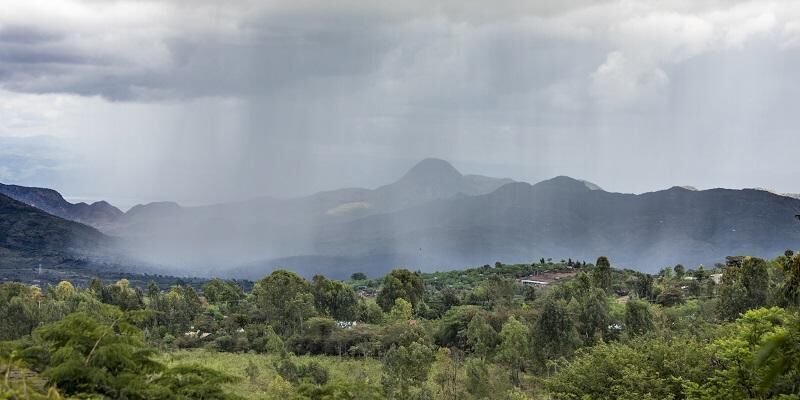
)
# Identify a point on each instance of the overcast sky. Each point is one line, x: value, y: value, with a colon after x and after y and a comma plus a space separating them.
x: 205, y: 101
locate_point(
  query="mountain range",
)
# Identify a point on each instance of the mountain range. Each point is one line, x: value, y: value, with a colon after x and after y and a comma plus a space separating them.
x: 50, y: 201
x: 434, y: 217
x: 30, y: 237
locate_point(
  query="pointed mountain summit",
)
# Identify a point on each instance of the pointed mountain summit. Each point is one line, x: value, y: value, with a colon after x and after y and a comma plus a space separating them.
x: 432, y: 171
x: 432, y: 179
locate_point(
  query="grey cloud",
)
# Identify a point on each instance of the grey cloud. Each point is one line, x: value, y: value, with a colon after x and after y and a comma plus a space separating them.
x: 25, y: 35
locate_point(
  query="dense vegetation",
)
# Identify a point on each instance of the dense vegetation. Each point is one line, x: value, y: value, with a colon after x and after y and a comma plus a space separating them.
x: 591, y: 332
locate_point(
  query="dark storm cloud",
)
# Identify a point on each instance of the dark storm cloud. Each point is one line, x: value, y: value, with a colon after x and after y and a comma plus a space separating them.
x: 262, y: 53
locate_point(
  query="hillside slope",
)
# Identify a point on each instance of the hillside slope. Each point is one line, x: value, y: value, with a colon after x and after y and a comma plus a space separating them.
x: 29, y: 236
x: 97, y: 214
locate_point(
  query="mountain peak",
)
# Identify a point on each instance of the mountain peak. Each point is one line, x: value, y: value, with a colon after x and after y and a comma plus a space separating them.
x: 432, y: 170
x: 566, y: 183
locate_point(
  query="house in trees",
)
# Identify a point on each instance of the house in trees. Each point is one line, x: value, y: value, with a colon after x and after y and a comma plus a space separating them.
x: 533, y: 282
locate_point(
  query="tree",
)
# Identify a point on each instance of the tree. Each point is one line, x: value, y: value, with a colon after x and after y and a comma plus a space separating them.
x: 645, y: 368
x: 273, y: 343
x: 401, y: 283
x: 152, y: 290
x: 499, y: 291
x: 122, y: 295
x: 481, y: 337
x: 743, y: 288
x: 745, y: 367
x: 591, y: 315
x: 358, y: 276
x: 755, y: 277
x: 513, y: 349
x: 64, y: 290
x: 92, y: 359
x: 601, y: 275
x: 219, y: 291
x: 96, y: 287
x: 790, y: 290
x: 488, y: 381
x: 670, y: 296
x: 780, y: 357
x: 17, y: 311
x: 177, y: 308
x: 370, y: 312
x: 638, y: 317
x: 284, y: 300
x: 401, y: 311
x: 334, y: 298
x: 447, y: 366
x: 680, y: 270
x: 553, y: 333
x: 642, y: 285
x: 701, y: 274
x: 453, y: 326
x: 405, y: 369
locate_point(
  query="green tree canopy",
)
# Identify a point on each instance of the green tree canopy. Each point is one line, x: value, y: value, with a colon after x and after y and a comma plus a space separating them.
x: 405, y: 369
x: 638, y: 317
x: 334, y: 298
x: 284, y: 300
x: 554, y: 332
x: 743, y: 288
x: 219, y: 291
x: 601, y: 274
x: 514, y: 347
x: 481, y: 337
x: 401, y: 283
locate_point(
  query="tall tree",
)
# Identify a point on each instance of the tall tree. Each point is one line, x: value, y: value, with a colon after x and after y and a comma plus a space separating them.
x: 601, y: 275
x: 553, y: 333
x: 591, y: 315
x: 219, y: 291
x: 514, y: 347
x: 401, y: 311
x: 405, y: 369
x: 447, y: 366
x: 499, y: 291
x: 284, y: 300
x: 481, y: 337
x: 401, y: 283
x: 790, y: 290
x: 638, y: 317
x: 680, y: 270
x: 743, y: 288
x: 334, y: 298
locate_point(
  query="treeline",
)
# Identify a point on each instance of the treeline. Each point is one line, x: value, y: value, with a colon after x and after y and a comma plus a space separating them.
x: 729, y: 332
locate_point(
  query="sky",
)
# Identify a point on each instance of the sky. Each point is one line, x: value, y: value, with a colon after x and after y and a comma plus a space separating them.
x: 208, y: 101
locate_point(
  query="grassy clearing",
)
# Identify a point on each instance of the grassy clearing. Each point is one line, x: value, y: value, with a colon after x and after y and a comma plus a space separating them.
x: 341, y: 370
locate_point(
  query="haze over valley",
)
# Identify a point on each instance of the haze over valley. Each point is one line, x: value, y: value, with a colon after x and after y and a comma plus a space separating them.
x: 431, y: 218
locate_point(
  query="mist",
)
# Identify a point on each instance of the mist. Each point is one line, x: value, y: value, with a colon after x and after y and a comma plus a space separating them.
x: 242, y: 112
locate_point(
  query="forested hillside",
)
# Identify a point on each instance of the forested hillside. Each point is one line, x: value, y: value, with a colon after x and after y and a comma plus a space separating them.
x: 545, y: 330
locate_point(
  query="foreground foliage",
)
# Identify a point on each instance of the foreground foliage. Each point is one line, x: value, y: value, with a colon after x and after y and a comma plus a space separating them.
x: 595, y: 332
